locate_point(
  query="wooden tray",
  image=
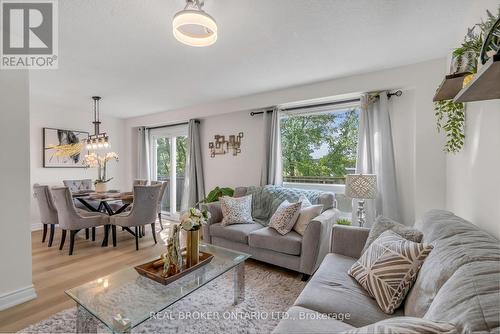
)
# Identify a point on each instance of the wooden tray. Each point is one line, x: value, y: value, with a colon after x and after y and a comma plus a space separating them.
x: 148, y: 270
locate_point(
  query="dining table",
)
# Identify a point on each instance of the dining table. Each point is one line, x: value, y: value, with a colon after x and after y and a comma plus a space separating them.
x: 110, y: 203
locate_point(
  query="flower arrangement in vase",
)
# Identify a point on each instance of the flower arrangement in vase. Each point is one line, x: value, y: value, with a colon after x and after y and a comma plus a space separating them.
x: 191, y: 222
x: 94, y: 160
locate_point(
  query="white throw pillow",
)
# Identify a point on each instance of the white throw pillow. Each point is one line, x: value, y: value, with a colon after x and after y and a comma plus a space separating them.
x: 305, y: 216
x: 236, y: 210
x: 285, y: 217
x: 305, y: 201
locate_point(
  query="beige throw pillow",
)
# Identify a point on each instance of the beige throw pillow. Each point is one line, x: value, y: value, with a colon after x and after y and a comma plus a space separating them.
x: 389, y: 267
x: 407, y: 325
x: 236, y: 210
x: 285, y: 217
x: 383, y: 224
x: 305, y: 216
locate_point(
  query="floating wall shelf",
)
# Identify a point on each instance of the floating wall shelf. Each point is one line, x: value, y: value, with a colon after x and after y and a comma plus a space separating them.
x: 485, y: 85
x: 450, y: 86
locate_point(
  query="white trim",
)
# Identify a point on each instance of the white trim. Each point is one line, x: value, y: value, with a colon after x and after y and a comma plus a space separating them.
x: 17, y: 297
x: 36, y: 227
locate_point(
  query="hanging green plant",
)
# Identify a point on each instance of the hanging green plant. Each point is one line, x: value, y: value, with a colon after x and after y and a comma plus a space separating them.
x: 451, y: 119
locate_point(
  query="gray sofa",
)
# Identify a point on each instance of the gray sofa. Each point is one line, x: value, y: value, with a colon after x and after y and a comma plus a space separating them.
x: 458, y: 283
x: 292, y: 251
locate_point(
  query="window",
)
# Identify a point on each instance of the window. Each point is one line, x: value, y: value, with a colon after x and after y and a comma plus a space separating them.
x: 319, y: 147
x: 168, y: 163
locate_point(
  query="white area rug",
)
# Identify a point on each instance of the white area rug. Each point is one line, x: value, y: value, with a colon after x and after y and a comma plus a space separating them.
x: 269, y: 292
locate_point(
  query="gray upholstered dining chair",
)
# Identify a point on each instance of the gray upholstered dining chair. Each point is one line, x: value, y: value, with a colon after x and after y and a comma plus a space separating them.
x: 47, y: 209
x: 71, y: 219
x: 79, y: 186
x: 162, y: 195
x: 143, y: 212
x: 139, y: 182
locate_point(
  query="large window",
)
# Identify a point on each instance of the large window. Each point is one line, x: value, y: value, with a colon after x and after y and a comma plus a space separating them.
x: 168, y: 163
x: 319, y: 147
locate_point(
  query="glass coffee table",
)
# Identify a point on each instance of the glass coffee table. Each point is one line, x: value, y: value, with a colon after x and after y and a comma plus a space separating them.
x: 125, y: 299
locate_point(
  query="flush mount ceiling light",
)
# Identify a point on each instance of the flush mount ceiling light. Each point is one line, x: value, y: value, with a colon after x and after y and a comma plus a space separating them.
x: 192, y: 26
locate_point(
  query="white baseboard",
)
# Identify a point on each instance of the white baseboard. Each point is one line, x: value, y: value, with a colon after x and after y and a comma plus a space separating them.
x: 16, y: 297
x: 36, y: 226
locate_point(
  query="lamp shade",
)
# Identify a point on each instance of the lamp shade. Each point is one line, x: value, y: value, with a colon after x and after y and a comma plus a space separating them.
x: 363, y: 186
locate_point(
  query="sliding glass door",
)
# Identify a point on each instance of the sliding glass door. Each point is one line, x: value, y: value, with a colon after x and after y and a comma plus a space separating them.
x: 168, y: 163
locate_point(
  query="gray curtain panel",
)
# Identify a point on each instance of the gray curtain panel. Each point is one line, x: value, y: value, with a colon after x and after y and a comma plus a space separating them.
x: 143, y: 167
x: 194, y: 185
x: 272, y: 170
x: 376, y: 156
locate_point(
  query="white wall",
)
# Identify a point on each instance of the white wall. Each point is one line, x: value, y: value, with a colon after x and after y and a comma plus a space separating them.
x: 44, y: 116
x: 15, y: 237
x: 228, y: 170
x: 419, y: 158
x: 473, y: 181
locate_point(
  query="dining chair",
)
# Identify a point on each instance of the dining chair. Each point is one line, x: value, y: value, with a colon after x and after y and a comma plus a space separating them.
x: 73, y: 220
x: 143, y: 212
x: 77, y: 186
x: 162, y: 196
x: 47, y: 209
x: 138, y: 182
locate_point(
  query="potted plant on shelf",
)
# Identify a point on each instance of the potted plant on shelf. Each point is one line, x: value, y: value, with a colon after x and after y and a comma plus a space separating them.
x: 93, y: 160
x: 191, y: 222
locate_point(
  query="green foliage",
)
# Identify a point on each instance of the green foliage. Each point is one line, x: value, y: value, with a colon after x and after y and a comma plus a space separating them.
x: 214, y: 195
x: 473, y: 40
x: 343, y: 221
x: 301, y: 136
x: 450, y: 117
x: 163, y: 156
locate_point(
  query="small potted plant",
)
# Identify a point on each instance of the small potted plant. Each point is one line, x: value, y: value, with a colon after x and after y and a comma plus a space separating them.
x: 93, y: 160
x: 191, y: 222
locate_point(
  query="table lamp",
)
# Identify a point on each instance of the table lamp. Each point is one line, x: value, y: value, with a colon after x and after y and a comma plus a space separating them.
x: 361, y: 187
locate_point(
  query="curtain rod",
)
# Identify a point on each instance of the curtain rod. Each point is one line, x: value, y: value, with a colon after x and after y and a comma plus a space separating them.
x: 389, y: 95
x: 170, y: 125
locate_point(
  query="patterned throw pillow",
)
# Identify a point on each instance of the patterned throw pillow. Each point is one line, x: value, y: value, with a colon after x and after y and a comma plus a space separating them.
x: 383, y: 224
x: 305, y: 202
x: 407, y: 325
x: 285, y: 217
x: 305, y: 216
x: 236, y: 210
x: 389, y: 267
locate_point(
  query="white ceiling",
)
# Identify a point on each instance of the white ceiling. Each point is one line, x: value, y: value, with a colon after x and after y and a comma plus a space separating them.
x: 124, y: 50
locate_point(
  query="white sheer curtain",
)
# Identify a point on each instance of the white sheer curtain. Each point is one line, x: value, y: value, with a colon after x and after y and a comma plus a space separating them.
x: 194, y: 185
x: 143, y: 163
x: 272, y: 169
x: 376, y: 156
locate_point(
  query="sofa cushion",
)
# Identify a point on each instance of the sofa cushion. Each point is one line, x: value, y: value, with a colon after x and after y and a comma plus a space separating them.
x: 470, y: 299
x: 235, y: 232
x: 389, y: 267
x: 269, y: 238
x: 332, y: 290
x: 456, y: 242
x: 302, y: 320
x: 406, y: 325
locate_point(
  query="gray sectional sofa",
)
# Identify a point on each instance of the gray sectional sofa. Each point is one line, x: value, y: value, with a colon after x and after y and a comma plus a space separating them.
x: 292, y: 251
x: 458, y: 283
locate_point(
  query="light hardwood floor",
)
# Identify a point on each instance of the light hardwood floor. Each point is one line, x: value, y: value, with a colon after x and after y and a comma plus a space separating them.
x: 54, y: 271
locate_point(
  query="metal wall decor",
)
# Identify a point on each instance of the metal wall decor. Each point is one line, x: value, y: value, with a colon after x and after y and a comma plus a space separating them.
x: 222, y: 146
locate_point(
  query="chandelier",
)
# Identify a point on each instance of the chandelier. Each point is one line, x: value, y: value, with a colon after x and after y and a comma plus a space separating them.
x: 97, y: 140
x: 192, y: 26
